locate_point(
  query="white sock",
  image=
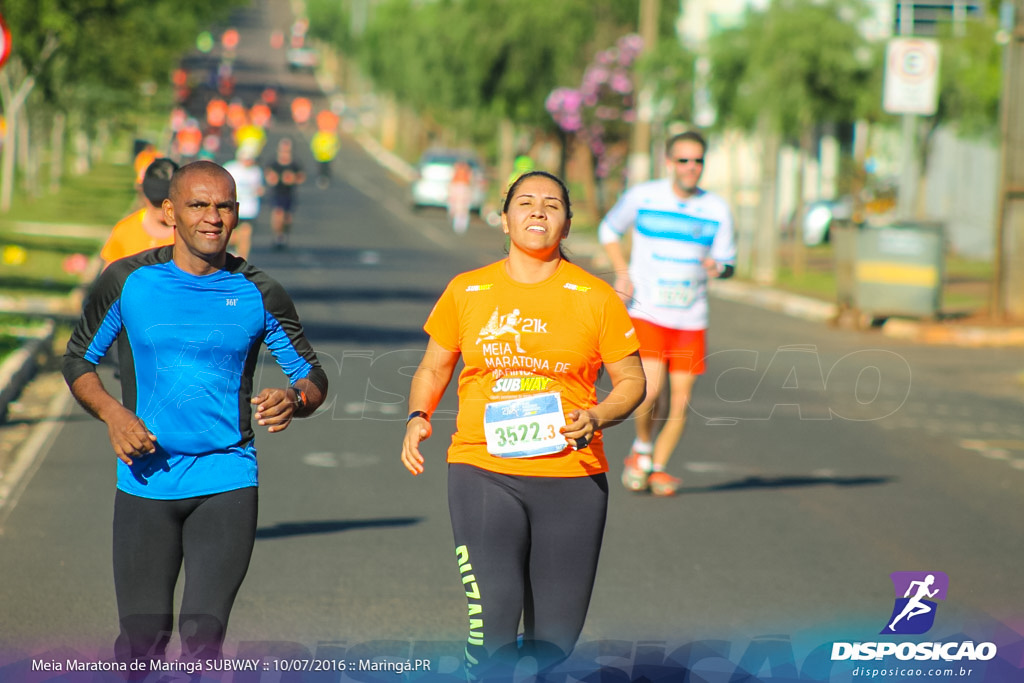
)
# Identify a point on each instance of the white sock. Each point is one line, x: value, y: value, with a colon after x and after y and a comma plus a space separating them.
x: 643, y: 450
x: 642, y: 447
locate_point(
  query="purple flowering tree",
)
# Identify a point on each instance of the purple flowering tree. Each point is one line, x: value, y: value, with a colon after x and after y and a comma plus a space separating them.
x: 600, y: 112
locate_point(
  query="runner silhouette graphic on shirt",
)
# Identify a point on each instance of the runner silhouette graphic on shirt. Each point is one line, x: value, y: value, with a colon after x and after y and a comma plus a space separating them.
x: 499, y: 326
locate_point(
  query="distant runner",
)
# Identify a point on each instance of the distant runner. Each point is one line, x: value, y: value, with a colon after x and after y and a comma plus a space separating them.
x: 146, y: 228
x: 682, y: 235
x: 249, y: 186
x: 283, y: 175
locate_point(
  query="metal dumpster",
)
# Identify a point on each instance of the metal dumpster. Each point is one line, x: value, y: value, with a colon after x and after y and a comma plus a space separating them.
x: 891, y: 270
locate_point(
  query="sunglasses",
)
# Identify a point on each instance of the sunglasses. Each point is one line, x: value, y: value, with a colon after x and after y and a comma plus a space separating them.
x: 699, y: 161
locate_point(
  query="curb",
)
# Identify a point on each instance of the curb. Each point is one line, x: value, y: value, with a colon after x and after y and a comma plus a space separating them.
x: 388, y: 160
x: 793, y: 305
x: 953, y: 334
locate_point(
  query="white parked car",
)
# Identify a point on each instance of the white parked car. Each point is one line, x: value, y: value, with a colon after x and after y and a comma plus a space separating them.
x: 434, y: 174
x: 818, y: 217
x: 302, y: 58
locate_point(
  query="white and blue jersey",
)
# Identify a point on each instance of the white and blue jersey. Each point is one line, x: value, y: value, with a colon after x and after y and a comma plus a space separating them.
x: 671, y: 238
x: 188, y: 348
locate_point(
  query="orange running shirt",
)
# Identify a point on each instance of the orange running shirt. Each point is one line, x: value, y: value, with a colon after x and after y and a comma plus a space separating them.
x: 142, y: 161
x: 518, y: 339
x: 190, y: 140
x: 302, y: 109
x: 326, y: 120
x: 216, y: 112
x: 129, y: 237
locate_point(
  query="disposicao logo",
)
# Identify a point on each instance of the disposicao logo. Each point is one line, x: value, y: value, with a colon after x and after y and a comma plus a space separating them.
x: 913, y: 613
x: 915, y: 607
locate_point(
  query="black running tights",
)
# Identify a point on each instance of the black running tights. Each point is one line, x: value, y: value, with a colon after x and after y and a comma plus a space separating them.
x: 213, y: 536
x: 526, y: 547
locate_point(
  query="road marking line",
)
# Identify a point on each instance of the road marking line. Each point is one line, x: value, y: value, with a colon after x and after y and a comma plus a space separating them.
x: 31, y: 455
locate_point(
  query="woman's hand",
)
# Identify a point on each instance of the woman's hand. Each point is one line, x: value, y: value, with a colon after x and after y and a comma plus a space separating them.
x: 416, y: 431
x: 580, y: 428
x: 428, y: 384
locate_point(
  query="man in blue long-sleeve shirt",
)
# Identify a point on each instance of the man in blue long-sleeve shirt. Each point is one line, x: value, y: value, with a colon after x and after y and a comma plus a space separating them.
x: 189, y: 320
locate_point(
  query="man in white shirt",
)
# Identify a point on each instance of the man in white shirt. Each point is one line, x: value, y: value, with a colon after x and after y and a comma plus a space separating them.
x: 682, y: 235
x: 249, y: 186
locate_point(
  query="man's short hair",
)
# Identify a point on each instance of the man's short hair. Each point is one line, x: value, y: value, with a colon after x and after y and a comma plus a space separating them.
x: 201, y: 166
x: 156, y: 183
x: 690, y: 135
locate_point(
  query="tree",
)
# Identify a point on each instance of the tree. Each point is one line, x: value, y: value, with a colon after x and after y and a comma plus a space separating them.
x: 475, y: 65
x: 784, y: 71
x: 601, y: 112
x: 92, y: 57
x: 970, y: 88
x: 668, y: 68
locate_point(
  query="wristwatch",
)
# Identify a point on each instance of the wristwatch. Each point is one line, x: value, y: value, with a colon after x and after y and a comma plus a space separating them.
x: 417, y: 413
x: 300, y: 398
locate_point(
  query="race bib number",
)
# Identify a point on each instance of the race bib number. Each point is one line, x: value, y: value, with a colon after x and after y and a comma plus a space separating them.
x: 676, y: 293
x: 525, y: 427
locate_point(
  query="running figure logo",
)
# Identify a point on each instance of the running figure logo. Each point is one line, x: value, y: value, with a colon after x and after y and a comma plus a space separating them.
x: 914, y: 612
x: 501, y: 325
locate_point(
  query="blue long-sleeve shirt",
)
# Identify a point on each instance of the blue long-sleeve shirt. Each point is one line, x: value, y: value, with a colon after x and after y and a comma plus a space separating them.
x: 188, y: 348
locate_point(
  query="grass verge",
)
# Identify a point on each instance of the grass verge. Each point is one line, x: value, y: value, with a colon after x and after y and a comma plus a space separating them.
x: 41, y: 236
x: 966, y: 285
x: 100, y: 197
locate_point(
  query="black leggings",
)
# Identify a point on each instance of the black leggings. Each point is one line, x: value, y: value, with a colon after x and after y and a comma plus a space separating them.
x: 526, y: 546
x: 214, y: 535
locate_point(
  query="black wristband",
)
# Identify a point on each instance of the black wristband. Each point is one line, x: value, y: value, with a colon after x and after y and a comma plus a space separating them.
x: 417, y: 413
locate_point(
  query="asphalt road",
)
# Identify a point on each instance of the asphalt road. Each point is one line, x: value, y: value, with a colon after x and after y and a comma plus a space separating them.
x: 816, y: 463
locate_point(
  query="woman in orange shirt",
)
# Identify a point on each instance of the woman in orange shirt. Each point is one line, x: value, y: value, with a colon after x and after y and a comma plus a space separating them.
x: 527, y: 490
x: 460, y: 196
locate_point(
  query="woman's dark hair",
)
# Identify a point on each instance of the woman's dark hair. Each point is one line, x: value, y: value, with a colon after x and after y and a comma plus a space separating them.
x: 543, y: 174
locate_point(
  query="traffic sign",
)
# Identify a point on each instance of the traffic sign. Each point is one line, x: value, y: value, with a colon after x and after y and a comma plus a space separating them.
x: 911, y: 76
x: 5, y: 42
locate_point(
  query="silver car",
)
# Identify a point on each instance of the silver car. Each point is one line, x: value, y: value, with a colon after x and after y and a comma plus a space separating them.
x: 434, y: 174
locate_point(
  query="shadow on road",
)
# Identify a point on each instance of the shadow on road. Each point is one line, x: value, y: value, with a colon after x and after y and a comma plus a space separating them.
x: 289, y: 529
x: 791, y: 481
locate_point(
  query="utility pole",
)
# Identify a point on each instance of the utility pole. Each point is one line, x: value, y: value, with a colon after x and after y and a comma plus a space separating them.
x: 639, y: 168
x: 1008, y: 292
